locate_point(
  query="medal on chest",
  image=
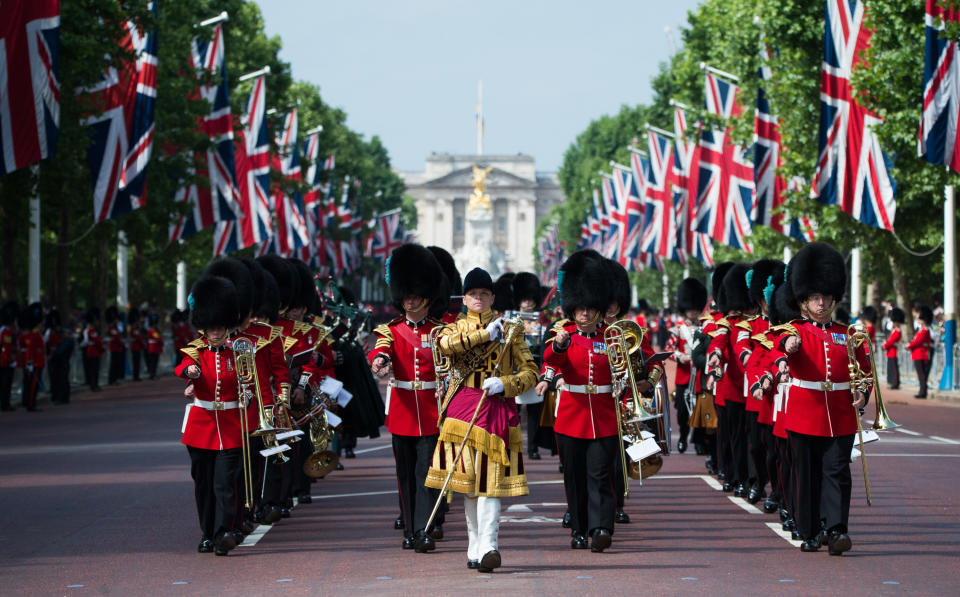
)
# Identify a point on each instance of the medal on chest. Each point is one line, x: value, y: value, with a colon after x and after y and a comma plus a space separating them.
x: 228, y: 362
x: 599, y: 348
x: 424, y: 340
x: 839, y: 338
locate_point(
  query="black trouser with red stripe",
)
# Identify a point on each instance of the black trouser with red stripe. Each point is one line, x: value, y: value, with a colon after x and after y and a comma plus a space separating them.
x: 785, y: 476
x: 31, y: 386
x: 757, y: 450
x: 769, y: 442
x: 737, y: 438
x: 413, y: 455
x: 588, y: 481
x: 823, y: 482
x: 135, y: 358
x: 216, y: 487
x: 724, y: 456
x: 117, y: 364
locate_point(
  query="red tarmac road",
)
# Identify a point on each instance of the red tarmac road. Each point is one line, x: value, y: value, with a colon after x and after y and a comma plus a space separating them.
x: 97, y: 499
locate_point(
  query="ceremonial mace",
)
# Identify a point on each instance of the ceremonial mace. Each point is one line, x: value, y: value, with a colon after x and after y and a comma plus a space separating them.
x: 513, y: 326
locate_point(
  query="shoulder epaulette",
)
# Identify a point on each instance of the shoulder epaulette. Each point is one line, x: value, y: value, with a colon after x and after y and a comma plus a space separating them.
x: 763, y: 340
x: 192, y: 350
x: 395, y: 320
x: 786, y: 328
x: 723, y: 322
x: 275, y: 332
x: 196, y: 343
x: 744, y: 324
x: 288, y: 343
x: 384, y: 330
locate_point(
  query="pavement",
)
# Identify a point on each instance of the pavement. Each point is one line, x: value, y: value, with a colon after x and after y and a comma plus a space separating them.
x: 97, y: 500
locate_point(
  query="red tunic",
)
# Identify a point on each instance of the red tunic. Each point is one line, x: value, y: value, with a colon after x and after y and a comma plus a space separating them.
x: 412, y: 412
x: 137, y: 341
x: 681, y: 343
x: 584, y: 362
x: 303, y: 336
x: 919, y: 347
x: 33, y: 350
x: 822, y: 357
x: 182, y: 335
x: 891, y: 344
x: 92, y: 342
x: 743, y: 348
x: 8, y: 347
x: 211, y: 429
x: 730, y: 386
x: 272, y: 371
x: 154, y: 341
x: 114, y: 338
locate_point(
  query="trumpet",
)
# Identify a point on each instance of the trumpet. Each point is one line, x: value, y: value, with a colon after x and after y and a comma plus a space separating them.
x: 441, y: 365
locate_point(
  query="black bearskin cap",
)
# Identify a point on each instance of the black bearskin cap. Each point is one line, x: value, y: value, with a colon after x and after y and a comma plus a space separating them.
x: 175, y: 317
x: 110, y: 314
x: 266, y: 295
x: 869, y: 313
x: 783, y: 307
x: 53, y: 320
x: 897, y: 315
x: 583, y: 283
x: 305, y: 288
x: 9, y: 313
x: 644, y: 306
x: 526, y: 286
x: 213, y: 303
x: 762, y: 270
x: 691, y: 295
x: 733, y: 294
x: 92, y: 316
x: 818, y: 268
x: 413, y: 270
x: 716, y: 278
x: 503, y: 293
x: 288, y: 283
x: 618, y: 287
x: 925, y: 314
x: 31, y: 316
x: 449, y: 267
x: 237, y: 272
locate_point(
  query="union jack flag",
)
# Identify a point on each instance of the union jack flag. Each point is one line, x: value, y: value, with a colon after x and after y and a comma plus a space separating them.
x: 725, y: 190
x: 121, y: 135
x: 388, y: 234
x: 595, y: 221
x: 722, y: 97
x: 292, y: 232
x: 29, y: 82
x: 941, y: 99
x: 660, y: 221
x: 852, y: 170
x: 313, y: 201
x: 629, y: 214
x: 252, y: 151
x: 551, y: 254
x: 221, y: 199
x: 687, y: 155
x: 610, y: 222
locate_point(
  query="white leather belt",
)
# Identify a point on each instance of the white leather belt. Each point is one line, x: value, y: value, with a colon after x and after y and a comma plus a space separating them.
x: 822, y: 386
x: 414, y: 385
x: 208, y: 405
x: 588, y: 389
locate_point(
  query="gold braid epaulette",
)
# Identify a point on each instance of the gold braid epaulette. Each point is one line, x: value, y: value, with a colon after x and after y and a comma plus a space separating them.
x: 723, y: 322
x: 557, y: 326
x: 192, y: 349
x: 385, y: 339
x: 744, y: 324
x: 288, y: 343
x: 763, y: 340
x: 786, y: 328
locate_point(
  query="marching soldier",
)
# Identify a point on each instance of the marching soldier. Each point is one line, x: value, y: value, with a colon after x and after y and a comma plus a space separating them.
x: 211, y: 424
x: 491, y: 463
x: 8, y: 352
x: 403, y: 349
x: 155, y: 345
x: 138, y: 341
x: 92, y: 345
x: 721, y: 457
x: 892, y: 347
x: 920, y: 346
x: 822, y: 409
x: 454, y: 282
x: 527, y: 296
x: 59, y: 343
x: 115, y: 345
x: 691, y: 299
x: 33, y: 354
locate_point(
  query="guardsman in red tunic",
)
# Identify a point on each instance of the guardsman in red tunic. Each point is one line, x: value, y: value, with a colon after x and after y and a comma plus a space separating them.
x: 138, y: 342
x: 33, y: 353
x: 154, y: 345
x: 9, y: 353
x: 691, y: 299
x: 404, y: 350
x: 586, y: 419
x: 734, y: 302
x: 721, y: 457
x: 211, y: 424
x: 892, y: 347
x: 92, y: 345
x: 822, y: 409
x: 181, y: 332
x: 868, y: 317
x: 920, y: 348
x: 115, y: 345
x: 454, y: 281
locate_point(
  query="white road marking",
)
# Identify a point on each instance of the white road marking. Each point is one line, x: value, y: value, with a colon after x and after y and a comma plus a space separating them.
x: 373, y: 449
x: 744, y: 504
x: 709, y: 480
x: 907, y: 431
x: 538, y: 519
x: 257, y: 534
x: 519, y: 508
x: 945, y: 440
x: 360, y: 494
x: 785, y: 535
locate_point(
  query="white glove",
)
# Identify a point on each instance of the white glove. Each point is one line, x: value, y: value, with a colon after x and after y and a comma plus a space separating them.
x: 492, y: 385
x: 495, y: 328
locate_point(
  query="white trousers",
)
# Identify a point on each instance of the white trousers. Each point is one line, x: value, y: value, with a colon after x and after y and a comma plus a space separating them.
x: 483, y: 525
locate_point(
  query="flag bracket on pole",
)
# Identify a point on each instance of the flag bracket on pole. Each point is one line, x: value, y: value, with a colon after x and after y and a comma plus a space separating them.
x: 223, y: 16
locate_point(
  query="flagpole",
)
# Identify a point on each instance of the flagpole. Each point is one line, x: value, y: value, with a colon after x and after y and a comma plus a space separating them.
x: 33, y: 278
x: 181, y: 283
x: 223, y: 16
x: 855, y: 266
x: 949, y: 287
x: 718, y: 72
x: 263, y: 71
x: 122, y: 270
x: 660, y: 131
x: 639, y: 152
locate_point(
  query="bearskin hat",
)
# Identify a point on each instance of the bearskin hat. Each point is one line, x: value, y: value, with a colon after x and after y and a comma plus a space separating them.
x: 503, y: 293
x: 925, y: 314
x: 305, y: 287
x: 644, y: 306
x: 734, y: 295
x: 413, y: 270
x: 213, y: 303
x: 761, y: 272
x: 818, y: 268
x: 53, y: 320
x: 266, y: 295
x: 716, y: 278
x: 691, y: 295
x: 110, y: 314
x: 526, y: 286
x: 897, y: 315
x: 449, y: 267
x: 9, y: 313
x: 618, y: 286
x: 783, y: 307
x: 92, y: 316
x: 237, y: 272
x: 288, y: 282
x: 31, y: 316
x: 583, y: 282
x: 869, y: 313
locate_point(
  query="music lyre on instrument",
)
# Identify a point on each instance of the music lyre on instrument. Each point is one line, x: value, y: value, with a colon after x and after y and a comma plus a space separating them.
x: 243, y: 356
x: 513, y: 328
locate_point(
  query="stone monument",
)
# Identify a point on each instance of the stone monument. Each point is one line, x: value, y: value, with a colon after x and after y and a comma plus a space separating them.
x: 478, y: 249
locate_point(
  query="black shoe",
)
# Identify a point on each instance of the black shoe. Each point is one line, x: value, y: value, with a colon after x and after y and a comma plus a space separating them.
x: 348, y: 453
x: 621, y: 517
x: 721, y: 476
x: 770, y: 505
x: 893, y: 388
x: 711, y: 468
x: 681, y: 446
x: 789, y: 525
x: 339, y: 466
x: 206, y: 546
x: 271, y: 514
x: 535, y: 455
x: 601, y: 540
x: 810, y: 544
x: 422, y: 543
x: 247, y: 526
x: 437, y: 533
x: 305, y: 499
x: 838, y: 543
x: 489, y: 561
x: 795, y: 535
x: 566, y: 520
x: 755, y: 494
x: 398, y: 524
x: 409, y: 543
x: 740, y: 491
x: 699, y: 449
x: 284, y: 512
x: 824, y: 539
x: 224, y: 544
x: 727, y: 487
x: 784, y: 515
x: 473, y: 564
x: 578, y: 542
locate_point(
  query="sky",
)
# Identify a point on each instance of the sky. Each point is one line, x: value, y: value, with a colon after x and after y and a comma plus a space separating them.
x: 407, y: 70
